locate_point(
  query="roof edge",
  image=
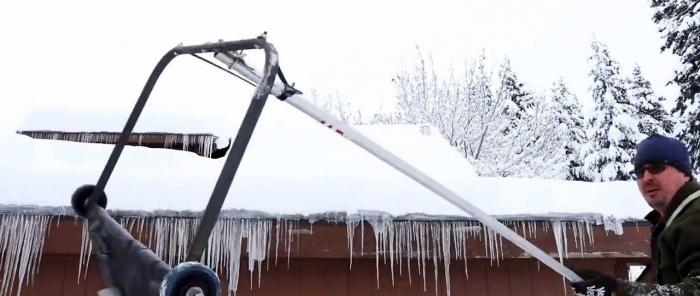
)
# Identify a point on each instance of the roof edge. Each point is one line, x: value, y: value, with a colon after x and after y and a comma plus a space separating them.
x: 328, y: 216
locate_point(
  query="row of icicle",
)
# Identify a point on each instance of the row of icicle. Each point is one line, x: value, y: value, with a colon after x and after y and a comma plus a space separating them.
x: 205, y: 143
x: 426, y: 241
x: 21, y: 246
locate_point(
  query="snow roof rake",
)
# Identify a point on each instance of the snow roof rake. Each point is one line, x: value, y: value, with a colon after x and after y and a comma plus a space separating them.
x: 129, y: 268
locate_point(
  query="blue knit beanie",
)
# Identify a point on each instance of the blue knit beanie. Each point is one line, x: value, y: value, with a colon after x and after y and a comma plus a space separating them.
x: 658, y: 148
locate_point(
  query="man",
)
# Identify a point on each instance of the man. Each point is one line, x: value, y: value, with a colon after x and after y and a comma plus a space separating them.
x: 665, y: 180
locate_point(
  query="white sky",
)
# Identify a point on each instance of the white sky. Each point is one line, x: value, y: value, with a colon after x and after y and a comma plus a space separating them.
x: 101, y: 52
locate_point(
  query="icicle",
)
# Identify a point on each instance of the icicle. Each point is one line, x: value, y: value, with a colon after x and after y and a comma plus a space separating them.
x: 435, y: 244
x: 589, y: 233
x: 459, y: 232
x: 362, y: 238
x: 169, y: 141
x: 202, y: 149
x: 185, y: 142
x: 85, y: 250
x: 409, y: 245
x: 391, y: 237
x: 211, y: 256
x: 491, y: 245
x: 151, y: 235
x: 383, y: 228
x: 446, y: 243
x: 159, y: 232
x: 423, y: 250
x: 268, y: 244
x: 9, y: 249
x: 37, y: 244
x: 207, y: 143
x: 278, y: 229
x: 400, y: 227
x: 500, y: 253
x: 234, y: 237
x: 256, y: 233
x: 20, y: 249
x: 350, y: 232
x: 578, y: 236
x: 289, y: 243
x: 560, y: 239
x: 614, y: 225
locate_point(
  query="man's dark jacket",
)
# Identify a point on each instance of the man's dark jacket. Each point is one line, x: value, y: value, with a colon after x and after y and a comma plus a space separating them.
x: 675, y: 245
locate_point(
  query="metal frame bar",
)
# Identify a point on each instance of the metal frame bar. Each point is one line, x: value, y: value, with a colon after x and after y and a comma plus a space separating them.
x: 112, y: 267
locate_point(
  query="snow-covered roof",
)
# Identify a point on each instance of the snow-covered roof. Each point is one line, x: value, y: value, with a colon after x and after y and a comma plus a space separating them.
x: 299, y: 168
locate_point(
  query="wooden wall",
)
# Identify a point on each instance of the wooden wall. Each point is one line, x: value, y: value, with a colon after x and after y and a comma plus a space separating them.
x: 321, y: 266
x: 58, y: 276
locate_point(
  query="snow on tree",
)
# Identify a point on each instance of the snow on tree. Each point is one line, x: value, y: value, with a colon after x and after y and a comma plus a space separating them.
x: 533, y: 147
x: 654, y: 117
x: 459, y: 107
x: 337, y: 107
x: 386, y: 117
x: 566, y: 111
x: 679, y: 22
x: 528, y: 143
x: 423, y: 97
x: 504, y: 130
x: 613, y: 132
x: 418, y: 92
x: 518, y: 101
x: 483, y: 110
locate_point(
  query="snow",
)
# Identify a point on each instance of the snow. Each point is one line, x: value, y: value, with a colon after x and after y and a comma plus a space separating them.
x: 90, y: 119
x: 299, y: 169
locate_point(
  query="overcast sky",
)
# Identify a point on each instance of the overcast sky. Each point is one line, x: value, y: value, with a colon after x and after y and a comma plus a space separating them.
x: 100, y: 53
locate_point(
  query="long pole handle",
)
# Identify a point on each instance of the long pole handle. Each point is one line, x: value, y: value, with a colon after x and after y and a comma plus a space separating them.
x: 356, y: 137
x: 343, y: 129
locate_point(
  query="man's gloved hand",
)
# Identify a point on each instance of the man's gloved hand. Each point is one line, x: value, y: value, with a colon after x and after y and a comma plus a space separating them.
x: 594, y: 284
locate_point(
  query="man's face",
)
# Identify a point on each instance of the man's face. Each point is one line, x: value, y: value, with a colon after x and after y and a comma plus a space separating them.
x: 658, y: 184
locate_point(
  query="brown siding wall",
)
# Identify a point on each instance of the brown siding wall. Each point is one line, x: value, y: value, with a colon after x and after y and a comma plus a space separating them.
x: 320, y: 265
x: 58, y: 276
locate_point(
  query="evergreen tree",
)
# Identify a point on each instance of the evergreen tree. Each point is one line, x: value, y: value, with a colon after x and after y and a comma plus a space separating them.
x: 613, y: 132
x: 679, y: 23
x: 518, y: 101
x: 654, y: 119
x: 526, y: 141
x: 567, y: 113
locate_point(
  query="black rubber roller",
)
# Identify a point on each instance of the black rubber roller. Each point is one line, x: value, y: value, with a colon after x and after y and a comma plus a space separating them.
x: 191, y: 279
x: 81, y: 196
